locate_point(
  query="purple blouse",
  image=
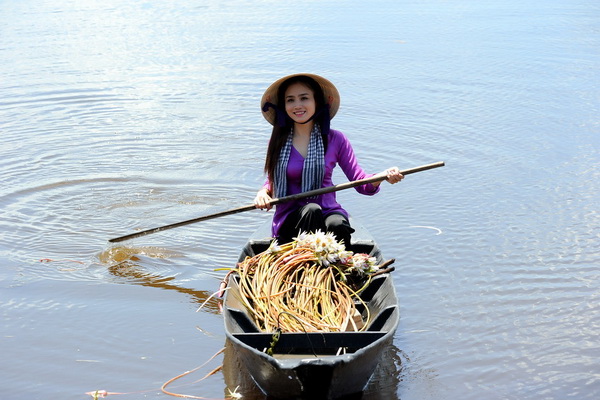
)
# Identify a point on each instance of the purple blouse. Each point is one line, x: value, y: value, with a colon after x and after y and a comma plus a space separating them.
x: 339, y: 151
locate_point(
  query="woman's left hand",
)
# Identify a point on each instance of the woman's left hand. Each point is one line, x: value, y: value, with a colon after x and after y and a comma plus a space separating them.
x: 393, y: 175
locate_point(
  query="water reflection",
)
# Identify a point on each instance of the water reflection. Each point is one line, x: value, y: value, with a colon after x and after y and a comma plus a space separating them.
x: 127, y: 263
x: 388, y: 375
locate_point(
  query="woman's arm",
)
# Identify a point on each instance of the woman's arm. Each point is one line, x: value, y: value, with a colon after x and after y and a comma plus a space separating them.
x: 349, y: 164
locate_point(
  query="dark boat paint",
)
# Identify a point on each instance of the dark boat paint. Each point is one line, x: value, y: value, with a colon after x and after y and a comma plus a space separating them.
x: 306, y: 365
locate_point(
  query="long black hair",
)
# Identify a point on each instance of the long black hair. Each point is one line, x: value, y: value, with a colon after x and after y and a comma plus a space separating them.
x: 283, y: 124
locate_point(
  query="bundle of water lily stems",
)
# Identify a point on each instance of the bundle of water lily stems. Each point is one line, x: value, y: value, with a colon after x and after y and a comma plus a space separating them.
x: 308, y: 285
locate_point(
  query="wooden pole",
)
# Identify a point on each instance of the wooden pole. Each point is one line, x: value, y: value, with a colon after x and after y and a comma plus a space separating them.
x: 310, y: 193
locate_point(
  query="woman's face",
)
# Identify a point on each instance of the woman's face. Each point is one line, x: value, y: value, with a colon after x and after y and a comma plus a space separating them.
x: 300, y: 102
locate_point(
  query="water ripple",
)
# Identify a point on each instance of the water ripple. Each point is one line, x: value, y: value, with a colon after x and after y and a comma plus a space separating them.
x: 117, y: 118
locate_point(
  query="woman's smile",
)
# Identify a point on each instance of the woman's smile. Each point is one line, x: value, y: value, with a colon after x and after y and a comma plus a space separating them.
x: 299, y: 103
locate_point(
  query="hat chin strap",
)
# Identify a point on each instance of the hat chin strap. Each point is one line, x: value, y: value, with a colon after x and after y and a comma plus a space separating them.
x: 280, y: 115
x: 324, y: 122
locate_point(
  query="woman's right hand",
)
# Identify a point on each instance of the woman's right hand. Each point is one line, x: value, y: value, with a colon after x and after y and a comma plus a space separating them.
x: 263, y: 199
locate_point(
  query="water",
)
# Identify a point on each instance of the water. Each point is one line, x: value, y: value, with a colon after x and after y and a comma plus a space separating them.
x: 123, y: 116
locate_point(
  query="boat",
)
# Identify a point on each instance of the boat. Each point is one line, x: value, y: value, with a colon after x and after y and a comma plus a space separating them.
x: 321, y: 365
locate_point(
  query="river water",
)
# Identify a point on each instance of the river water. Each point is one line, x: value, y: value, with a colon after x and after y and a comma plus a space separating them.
x: 121, y: 116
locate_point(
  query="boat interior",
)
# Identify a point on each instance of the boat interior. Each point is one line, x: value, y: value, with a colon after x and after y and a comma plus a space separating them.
x: 379, y: 297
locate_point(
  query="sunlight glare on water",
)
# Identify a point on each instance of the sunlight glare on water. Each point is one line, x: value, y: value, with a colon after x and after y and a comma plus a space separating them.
x: 120, y: 117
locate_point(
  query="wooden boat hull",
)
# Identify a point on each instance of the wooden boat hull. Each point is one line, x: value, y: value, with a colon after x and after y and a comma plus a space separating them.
x: 328, y: 365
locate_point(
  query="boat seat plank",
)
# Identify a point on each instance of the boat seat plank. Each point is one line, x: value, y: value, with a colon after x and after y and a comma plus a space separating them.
x: 320, y: 343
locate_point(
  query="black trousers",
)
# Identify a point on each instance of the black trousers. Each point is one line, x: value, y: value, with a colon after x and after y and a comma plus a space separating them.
x: 310, y: 219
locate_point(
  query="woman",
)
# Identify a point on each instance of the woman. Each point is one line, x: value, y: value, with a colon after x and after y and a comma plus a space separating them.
x: 301, y: 156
